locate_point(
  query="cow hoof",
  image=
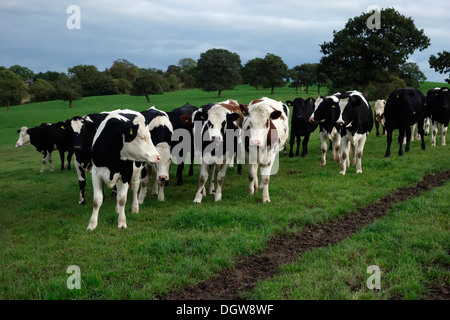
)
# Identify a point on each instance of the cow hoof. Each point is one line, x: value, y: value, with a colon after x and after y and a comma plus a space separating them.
x: 323, y: 163
x: 358, y: 171
x: 91, y: 226
x: 267, y: 200
x: 342, y: 173
x: 217, y: 198
x: 197, y: 200
x: 122, y: 225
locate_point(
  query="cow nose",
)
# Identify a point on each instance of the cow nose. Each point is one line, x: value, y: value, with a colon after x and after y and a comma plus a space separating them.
x: 158, y: 158
x: 414, y: 113
x: 341, y: 123
x: 163, y: 178
x: 216, y: 138
x: 77, y: 148
x: 256, y: 143
x: 312, y: 120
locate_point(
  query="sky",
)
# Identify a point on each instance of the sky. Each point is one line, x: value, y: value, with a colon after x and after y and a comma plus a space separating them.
x: 43, y: 35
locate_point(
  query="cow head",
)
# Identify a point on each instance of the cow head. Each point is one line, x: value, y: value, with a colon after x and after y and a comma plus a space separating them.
x: 260, y: 126
x: 326, y: 108
x: 137, y: 143
x: 162, y: 167
x: 218, y: 120
x: 74, y: 127
x: 379, y: 111
x: 438, y: 98
x: 24, y: 137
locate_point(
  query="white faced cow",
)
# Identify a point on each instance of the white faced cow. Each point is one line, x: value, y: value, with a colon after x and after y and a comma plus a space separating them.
x: 121, y: 147
x: 266, y: 129
x: 354, y: 124
x: 216, y: 135
x: 161, y: 133
x: 379, y: 116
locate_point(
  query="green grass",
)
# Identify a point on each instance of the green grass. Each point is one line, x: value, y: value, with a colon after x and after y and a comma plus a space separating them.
x: 173, y: 244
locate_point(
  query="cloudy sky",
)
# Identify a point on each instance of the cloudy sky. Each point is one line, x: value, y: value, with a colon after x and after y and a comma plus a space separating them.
x: 158, y: 33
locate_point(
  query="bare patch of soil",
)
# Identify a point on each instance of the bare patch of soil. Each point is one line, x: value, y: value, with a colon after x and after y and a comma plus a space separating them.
x: 284, y: 248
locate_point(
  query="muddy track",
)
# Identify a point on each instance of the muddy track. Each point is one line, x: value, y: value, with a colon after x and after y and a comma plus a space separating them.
x: 284, y: 248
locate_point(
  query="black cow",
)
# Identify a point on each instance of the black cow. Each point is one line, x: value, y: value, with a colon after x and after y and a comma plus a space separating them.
x: 404, y: 107
x: 326, y: 114
x: 181, y: 119
x: 354, y: 125
x: 46, y: 138
x: 438, y: 110
x: 300, y: 124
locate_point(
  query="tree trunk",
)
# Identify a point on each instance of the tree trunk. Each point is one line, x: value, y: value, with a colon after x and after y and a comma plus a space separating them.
x: 307, y: 89
x: 273, y: 90
x: 7, y: 106
x: 220, y: 93
x: 296, y: 89
x: 70, y: 103
x: 148, y: 98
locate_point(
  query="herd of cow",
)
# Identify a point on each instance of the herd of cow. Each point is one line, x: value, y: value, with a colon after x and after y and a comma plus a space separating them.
x: 124, y: 148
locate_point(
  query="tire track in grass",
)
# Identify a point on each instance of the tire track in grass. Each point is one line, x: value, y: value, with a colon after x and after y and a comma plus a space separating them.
x: 286, y: 248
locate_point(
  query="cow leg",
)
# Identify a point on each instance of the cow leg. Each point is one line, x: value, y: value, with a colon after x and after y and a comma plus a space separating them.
x: 359, y: 152
x: 145, y: 180
x: 323, y: 147
x: 389, y: 142
x: 434, y: 131
x: 97, y: 184
x: 421, y: 132
x: 265, y: 179
x: 297, y: 151
x: 61, y: 156
x: 408, y: 134
x: 201, y: 182
x: 305, y: 145
x: 377, y: 125
x: 252, y: 178
x: 336, y: 155
x: 135, y: 179
x: 81, y: 181
x: 212, y: 170
x: 69, y: 159
x: 345, y: 154
x: 122, y: 190
x: 220, y: 178
x: 353, y: 147
x: 291, y: 144
x: 155, y: 181
x: 44, y: 160
x: 401, y: 134
x: 443, y: 133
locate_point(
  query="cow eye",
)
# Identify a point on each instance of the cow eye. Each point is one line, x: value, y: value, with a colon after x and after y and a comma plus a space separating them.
x: 267, y: 123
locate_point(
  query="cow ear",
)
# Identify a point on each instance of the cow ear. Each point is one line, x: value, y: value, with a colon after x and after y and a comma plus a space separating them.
x: 18, y: 131
x: 289, y: 103
x: 275, y: 114
x: 186, y: 119
x: 200, y: 116
x: 232, y: 117
x: 244, y: 109
x: 131, y: 132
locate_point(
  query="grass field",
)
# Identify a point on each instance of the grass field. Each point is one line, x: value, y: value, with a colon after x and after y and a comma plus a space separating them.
x: 173, y: 244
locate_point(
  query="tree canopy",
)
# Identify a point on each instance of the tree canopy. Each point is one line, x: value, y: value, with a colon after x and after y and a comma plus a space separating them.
x: 12, y: 88
x: 441, y: 63
x: 358, y: 55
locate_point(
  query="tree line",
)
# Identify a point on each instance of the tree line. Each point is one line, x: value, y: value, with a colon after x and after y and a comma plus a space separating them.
x: 373, y: 61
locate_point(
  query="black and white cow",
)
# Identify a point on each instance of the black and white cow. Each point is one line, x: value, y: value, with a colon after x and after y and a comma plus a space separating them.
x: 326, y: 114
x: 216, y: 140
x: 181, y: 119
x: 121, y: 147
x: 404, y: 107
x: 161, y: 131
x: 438, y: 110
x: 265, y: 131
x: 46, y: 138
x: 354, y: 125
x: 300, y: 124
x: 82, y: 145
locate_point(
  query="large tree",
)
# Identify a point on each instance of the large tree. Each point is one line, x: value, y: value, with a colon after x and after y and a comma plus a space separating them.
x: 68, y: 89
x: 217, y: 70
x: 412, y: 75
x: 358, y: 54
x: 304, y: 75
x: 276, y: 71
x: 149, y: 82
x: 42, y: 90
x: 441, y: 63
x: 253, y: 72
x: 12, y: 88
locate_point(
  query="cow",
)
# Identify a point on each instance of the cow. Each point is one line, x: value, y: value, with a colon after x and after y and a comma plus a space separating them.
x: 404, y: 107
x: 265, y: 131
x: 181, y: 119
x: 326, y: 114
x: 120, y: 148
x: 379, y: 116
x: 354, y: 125
x: 46, y: 138
x: 82, y: 145
x: 300, y: 124
x: 438, y: 110
x: 216, y: 140
x: 161, y: 131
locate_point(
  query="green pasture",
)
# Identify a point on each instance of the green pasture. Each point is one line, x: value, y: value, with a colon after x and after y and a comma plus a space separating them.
x: 174, y: 244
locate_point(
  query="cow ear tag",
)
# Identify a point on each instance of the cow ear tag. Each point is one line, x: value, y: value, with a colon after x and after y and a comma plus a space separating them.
x: 131, y: 132
x: 397, y: 97
x: 62, y: 127
x: 202, y: 117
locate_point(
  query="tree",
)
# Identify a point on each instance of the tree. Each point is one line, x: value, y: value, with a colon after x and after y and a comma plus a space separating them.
x: 253, y: 72
x: 89, y: 78
x: 123, y: 69
x: 358, y: 55
x: 50, y: 76
x: 275, y: 71
x: 305, y: 74
x: 12, y: 88
x: 68, y: 89
x: 23, y: 72
x: 217, y: 70
x: 42, y: 90
x: 412, y: 75
x: 441, y: 63
x: 149, y: 82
